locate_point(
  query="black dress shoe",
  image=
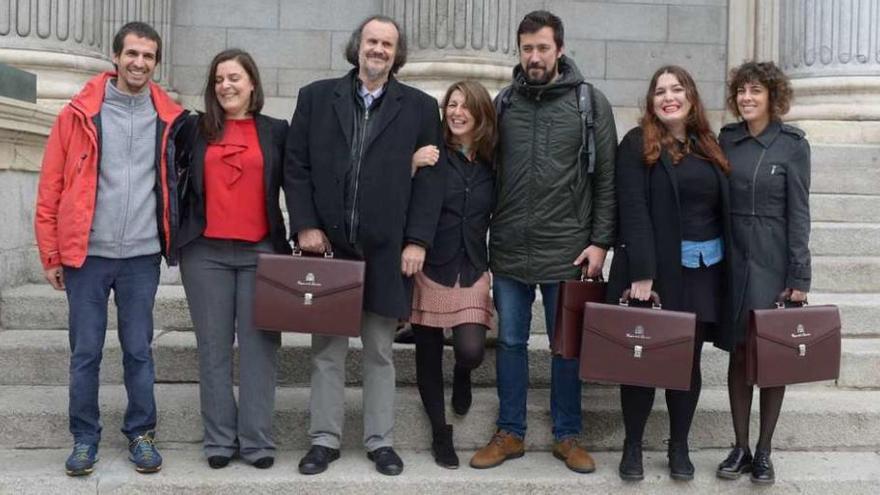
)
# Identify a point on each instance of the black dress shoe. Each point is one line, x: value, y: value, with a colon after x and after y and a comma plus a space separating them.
x: 630, y: 468
x: 739, y: 461
x: 264, y: 462
x: 218, y: 461
x: 680, y: 466
x: 387, y: 461
x: 461, y: 391
x: 443, y: 450
x: 762, y: 468
x: 317, y: 459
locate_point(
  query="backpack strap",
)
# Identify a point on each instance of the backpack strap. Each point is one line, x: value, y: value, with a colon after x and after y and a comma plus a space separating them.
x: 585, y: 102
x: 502, y: 101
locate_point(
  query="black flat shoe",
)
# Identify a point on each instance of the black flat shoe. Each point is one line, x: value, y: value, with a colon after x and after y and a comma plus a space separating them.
x: 387, y: 461
x: 317, y: 459
x: 762, y: 468
x: 443, y: 450
x: 680, y: 466
x: 461, y: 391
x: 630, y: 468
x: 739, y: 461
x: 264, y: 462
x: 218, y: 461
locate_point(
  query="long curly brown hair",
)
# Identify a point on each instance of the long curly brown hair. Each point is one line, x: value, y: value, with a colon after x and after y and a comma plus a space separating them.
x: 479, y: 103
x: 657, y: 137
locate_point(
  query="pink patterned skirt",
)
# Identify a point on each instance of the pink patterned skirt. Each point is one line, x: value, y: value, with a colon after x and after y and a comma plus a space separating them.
x: 436, y: 305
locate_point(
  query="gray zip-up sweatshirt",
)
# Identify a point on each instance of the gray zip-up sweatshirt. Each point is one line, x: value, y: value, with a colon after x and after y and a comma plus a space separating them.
x: 124, y: 225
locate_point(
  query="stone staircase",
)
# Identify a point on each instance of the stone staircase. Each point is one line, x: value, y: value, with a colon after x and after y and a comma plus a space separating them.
x: 828, y: 438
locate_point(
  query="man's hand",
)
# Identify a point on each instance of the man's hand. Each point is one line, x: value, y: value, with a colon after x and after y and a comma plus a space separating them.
x: 412, y: 259
x: 426, y: 156
x: 640, y: 290
x: 313, y: 241
x: 595, y: 260
x: 55, y: 276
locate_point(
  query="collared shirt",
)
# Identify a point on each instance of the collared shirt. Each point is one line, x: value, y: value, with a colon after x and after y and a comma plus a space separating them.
x: 369, y: 96
x: 709, y: 252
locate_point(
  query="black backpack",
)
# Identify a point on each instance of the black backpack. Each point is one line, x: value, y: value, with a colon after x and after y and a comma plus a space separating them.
x: 584, y: 94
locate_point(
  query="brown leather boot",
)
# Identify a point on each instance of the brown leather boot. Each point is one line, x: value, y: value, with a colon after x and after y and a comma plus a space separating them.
x: 501, y: 447
x: 575, y: 457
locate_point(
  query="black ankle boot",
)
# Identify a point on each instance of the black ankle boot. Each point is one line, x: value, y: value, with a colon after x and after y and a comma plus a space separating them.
x: 762, y: 468
x: 461, y: 391
x: 443, y: 450
x: 738, y: 461
x: 680, y: 466
x: 630, y: 468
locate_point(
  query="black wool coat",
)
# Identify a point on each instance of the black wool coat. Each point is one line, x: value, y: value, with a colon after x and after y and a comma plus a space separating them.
x: 649, y: 246
x: 395, y: 208
x: 191, y: 146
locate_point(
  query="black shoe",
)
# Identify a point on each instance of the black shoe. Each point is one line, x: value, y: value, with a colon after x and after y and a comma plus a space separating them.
x: 443, y: 449
x: 680, y: 466
x: 461, y: 391
x: 739, y: 461
x: 317, y: 459
x: 630, y: 468
x: 405, y: 335
x: 762, y: 468
x: 264, y: 462
x: 218, y: 461
x: 387, y: 461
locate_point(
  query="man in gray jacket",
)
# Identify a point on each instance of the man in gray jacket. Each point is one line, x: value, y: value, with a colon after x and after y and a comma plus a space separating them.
x: 555, y: 212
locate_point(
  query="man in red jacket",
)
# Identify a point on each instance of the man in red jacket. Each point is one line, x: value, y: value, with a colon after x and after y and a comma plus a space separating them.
x: 105, y: 214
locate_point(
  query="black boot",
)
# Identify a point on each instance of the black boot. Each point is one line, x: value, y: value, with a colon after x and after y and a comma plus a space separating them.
x: 443, y: 450
x: 631, y: 462
x: 762, y: 468
x: 461, y: 391
x: 738, y: 461
x: 680, y: 466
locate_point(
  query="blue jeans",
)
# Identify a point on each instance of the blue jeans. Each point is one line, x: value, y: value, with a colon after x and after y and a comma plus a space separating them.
x: 513, y: 300
x: 134, y: 282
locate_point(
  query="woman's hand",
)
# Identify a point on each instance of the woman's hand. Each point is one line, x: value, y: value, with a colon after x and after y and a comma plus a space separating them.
x: 797, y: 295
x: 412, y: 259
x: 426, y: 156
x: 640, y: 290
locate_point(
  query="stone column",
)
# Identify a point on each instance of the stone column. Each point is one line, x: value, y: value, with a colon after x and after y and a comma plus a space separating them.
x: 450, y: 40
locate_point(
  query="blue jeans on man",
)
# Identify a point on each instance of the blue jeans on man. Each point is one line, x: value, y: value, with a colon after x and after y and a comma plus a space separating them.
x: 134, y: 282
x: 513, y: 300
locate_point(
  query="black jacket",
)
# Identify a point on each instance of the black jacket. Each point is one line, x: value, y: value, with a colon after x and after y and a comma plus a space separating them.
x: 191, y: 146
x: 649, y: 246
x: 394, y: 207
x: 464, y: 222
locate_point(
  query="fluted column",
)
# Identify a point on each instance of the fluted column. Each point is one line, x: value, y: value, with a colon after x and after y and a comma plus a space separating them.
x: 451, y: 40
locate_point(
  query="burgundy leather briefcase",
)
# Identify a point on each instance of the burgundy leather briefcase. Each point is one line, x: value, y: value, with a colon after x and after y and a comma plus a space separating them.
x: 793, y: 345
x: 568, y: 327
x: 309, y: 294
x: 648, y: 347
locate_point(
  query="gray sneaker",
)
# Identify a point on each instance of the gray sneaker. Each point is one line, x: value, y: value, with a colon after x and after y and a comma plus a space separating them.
x: 143, y: 453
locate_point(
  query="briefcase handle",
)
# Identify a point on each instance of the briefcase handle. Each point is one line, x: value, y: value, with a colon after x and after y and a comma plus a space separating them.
x: 784, y: 298
x: 299, y: 252
x: 655, y: 299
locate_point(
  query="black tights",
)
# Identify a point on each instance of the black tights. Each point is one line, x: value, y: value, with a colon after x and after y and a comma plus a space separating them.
x: 740, y: 392
x: 637, y: 402
x: 469, y: 342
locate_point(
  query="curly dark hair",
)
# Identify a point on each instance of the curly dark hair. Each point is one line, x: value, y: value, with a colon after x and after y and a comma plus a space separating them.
x: 768, y: 75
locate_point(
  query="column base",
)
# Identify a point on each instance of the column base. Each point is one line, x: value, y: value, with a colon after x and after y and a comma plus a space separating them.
x: 435, y: 76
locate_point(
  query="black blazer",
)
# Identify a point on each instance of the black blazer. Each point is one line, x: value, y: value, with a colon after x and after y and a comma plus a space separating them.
x: 464, y: 222
x: 394, y: 207
x: 191, y: 147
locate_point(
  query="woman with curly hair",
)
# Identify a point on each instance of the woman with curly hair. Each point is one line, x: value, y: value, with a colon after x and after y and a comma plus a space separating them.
x: 671, y: 178
x: 771, y: 255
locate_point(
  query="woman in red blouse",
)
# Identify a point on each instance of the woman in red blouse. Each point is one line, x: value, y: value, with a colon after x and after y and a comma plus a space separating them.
x: 230, y: 161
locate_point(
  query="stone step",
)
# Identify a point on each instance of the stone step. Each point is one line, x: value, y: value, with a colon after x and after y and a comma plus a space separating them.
x: 846, y: 274
x: 185, y: 471
x: 853, y: 239
x: 36, y: 417
x: 859, y: 313
x: 833, y: 207
x: 32, y: 357
x: 834, y: 168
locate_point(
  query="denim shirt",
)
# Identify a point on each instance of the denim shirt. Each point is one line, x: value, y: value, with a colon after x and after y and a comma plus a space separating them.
x: 711, y: 252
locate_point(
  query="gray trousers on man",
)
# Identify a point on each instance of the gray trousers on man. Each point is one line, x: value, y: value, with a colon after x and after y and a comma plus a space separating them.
x: 219, y: 278
x: 327, y: 404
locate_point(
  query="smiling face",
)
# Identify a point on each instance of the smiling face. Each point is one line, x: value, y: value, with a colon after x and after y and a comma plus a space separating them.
x: 377, y: 50
x: 233, y: 87
x: 753, y: 102
x: 671, y: 104
x: 135, y: 63
x: 539, y: 56
x: 459, y: 119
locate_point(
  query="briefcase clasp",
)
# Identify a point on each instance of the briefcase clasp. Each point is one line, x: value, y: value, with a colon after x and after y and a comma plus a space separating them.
x: 802, y: 350
x: 307, y: 299
x: 637, y: 351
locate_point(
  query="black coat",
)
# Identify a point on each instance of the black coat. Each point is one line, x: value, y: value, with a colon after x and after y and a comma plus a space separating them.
x: 649, y: 246
x: 191, y: 146
x: 394, y: 207
x: 464, y: 222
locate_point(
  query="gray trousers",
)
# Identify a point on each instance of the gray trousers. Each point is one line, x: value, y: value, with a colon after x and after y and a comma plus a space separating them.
x: 327, y: 404
x: 219, y: 278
